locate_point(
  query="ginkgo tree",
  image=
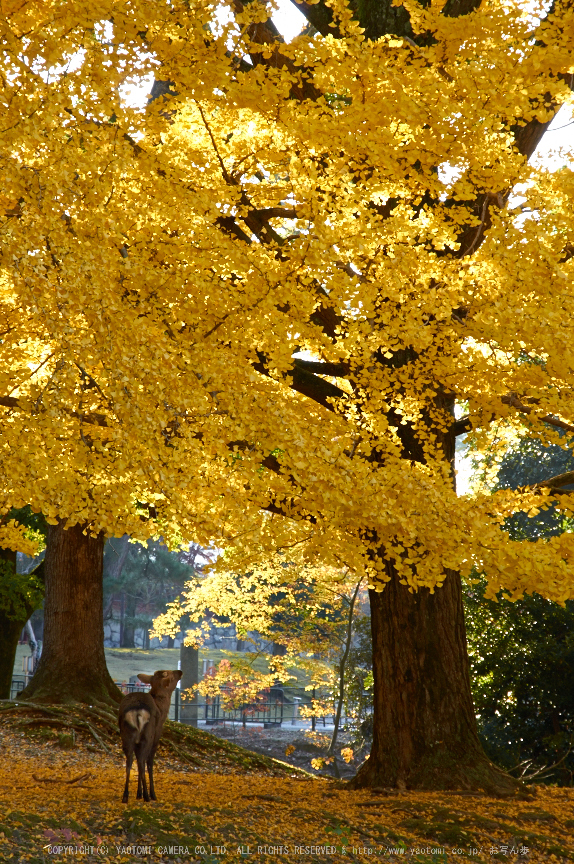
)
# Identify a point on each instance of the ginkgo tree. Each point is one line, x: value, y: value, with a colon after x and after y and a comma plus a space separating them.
x: 247, y: 312
x: 310, y: 611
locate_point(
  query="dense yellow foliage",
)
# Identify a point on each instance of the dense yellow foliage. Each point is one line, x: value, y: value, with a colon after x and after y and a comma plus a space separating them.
x: 160, y: 269
x: 305, y: 609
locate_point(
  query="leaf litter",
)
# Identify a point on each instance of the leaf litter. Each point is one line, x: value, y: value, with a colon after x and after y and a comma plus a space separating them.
x: 60, y: 801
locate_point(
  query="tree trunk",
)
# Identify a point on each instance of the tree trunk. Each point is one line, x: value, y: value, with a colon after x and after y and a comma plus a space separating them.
x: 424, y: 734
x: 72, y: 667
x: 424, y: 728
x: 122, y: 617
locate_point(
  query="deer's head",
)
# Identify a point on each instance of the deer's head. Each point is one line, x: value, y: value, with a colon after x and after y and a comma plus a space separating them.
x: 161, y: 682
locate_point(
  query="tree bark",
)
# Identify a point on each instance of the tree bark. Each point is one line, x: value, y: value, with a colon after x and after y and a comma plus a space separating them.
x: 72, y: 667
x: 424, y: 726
x: 424, y: 730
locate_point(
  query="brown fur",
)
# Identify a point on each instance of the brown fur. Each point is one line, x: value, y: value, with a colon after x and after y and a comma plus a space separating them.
x: 141, y: 717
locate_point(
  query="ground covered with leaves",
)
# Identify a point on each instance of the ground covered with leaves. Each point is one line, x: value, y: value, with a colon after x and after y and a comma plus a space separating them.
x: 61, y: 779
x: 296, y: 746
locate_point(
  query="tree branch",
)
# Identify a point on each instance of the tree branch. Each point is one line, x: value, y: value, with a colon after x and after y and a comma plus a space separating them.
x: 92, y: 419
x: 290, y: 511
x: 336, y: 370
x: 320, y: 391
x: 559, y: 480
x: 515, y: 402
x: 265, y: 34
x: 319, y: 16
x: 463, y: 425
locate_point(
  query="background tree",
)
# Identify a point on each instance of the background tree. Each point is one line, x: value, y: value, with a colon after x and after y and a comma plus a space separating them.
x: 278, y: 603
x: 143, y: 578
x: 359, y: 688
x: 20, y: 593
x: 522, y: 667
x: 522, y: 652
x: 254, y: 305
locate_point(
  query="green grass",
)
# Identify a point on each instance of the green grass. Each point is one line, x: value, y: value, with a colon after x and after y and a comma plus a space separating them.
x: 125, y: 662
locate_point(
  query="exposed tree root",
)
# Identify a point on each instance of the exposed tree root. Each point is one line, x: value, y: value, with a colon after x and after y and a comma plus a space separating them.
x: 475, y: 775
x: 99, y: 724
x: 75, y: 780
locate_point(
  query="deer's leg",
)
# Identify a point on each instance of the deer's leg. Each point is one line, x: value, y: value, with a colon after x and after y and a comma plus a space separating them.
x: 138, y: 761
x: 129, y: 760
x: 141, y: 776
x: 150, y: 772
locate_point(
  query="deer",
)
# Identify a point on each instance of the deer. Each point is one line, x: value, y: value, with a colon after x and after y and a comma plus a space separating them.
x: 141, y: 717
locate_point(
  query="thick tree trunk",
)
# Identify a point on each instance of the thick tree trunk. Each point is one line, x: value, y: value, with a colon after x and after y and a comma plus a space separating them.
x: 72, y: 667
x: 424, y: 728
x: 424, y: 733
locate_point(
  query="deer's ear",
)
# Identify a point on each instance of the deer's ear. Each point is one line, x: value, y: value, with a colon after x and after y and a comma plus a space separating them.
x: 145, y: 679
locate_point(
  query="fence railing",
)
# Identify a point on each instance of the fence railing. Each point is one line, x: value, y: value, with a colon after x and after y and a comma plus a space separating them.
x: 18, y: 684
x: 270, y: 712
x: 277, y: 707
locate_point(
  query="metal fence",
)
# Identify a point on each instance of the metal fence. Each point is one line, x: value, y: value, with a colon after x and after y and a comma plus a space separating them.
x: 270, y: 711
x: 18, y: 684
x: 275, y: 707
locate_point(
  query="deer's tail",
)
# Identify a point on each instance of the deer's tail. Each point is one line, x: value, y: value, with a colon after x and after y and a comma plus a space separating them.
x: 137, y: 718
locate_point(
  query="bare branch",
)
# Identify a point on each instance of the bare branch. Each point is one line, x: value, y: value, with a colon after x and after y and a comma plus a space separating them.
x: 464, y: 424
x: 515, y: 402
x: 559, y: 480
